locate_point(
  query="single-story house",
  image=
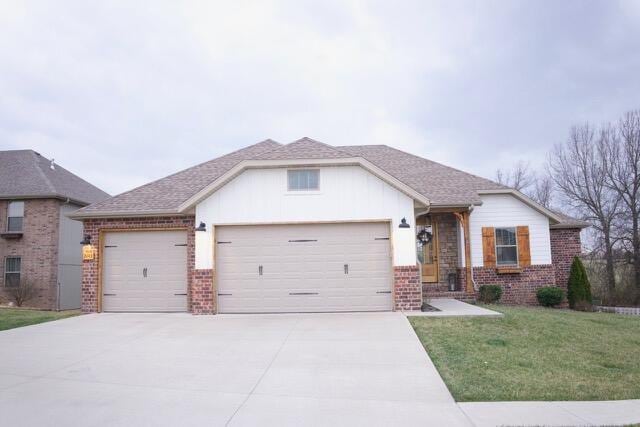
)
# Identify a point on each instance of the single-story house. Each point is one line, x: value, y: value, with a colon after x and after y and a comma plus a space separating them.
x: 38, y: 242
x: 309, y: 227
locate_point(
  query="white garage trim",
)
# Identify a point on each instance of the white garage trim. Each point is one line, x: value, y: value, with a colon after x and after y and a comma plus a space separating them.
x: 341, y: 300
x: 101, y: 255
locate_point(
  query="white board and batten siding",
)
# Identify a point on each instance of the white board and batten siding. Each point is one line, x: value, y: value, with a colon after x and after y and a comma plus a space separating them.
x: 347, y: 193
x: 504, y: 210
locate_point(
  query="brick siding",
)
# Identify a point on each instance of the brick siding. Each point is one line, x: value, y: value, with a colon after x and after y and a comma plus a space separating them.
x: 202, y: 299
x: 517, y: 288
x: 407, y: 288
x: 37, y: 248
x: 565, y: 245
x: 92, y: 227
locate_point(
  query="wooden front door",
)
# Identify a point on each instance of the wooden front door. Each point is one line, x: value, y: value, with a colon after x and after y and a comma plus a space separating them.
x: 428, y: 252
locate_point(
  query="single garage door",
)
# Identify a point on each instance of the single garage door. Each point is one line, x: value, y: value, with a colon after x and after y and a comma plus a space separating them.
x: 145, y: 271
x: 304, y: 268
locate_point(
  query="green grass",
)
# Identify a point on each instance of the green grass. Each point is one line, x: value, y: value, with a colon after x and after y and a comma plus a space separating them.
x: 14, y: 318
x: 535, y: 354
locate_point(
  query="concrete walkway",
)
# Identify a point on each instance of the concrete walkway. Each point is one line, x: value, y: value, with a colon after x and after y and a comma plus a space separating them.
x: 450, y: 307
x: 605, y: 413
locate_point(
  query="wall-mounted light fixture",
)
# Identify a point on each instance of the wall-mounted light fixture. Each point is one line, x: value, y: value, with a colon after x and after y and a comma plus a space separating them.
x: 202, y: 227
x: 403, y: 223
x: 86, y: 240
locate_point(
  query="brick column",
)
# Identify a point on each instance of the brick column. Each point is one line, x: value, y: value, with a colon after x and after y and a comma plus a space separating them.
x: 565, y: 245
x: 407, y: 288
x: 202, y: 300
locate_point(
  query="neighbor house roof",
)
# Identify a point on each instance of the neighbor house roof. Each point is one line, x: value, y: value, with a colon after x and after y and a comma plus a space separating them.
x: 441, y: 185
x: 27, y: 174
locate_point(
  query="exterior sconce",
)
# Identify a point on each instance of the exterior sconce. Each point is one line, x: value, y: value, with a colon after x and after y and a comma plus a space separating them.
x: 86, y: 240
x: 403, y: 223
x: 202, y: 227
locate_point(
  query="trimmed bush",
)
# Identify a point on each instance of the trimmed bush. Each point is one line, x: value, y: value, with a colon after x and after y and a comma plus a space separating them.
x: 490, y: 293
x: 549, y: 296
x: 579, y: 288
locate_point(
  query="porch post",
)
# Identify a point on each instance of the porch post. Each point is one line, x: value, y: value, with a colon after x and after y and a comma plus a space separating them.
x: 467, y: 252
x: 463, y: 217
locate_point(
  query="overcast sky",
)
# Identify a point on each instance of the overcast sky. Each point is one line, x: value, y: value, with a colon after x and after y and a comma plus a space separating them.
x: 122, y: 93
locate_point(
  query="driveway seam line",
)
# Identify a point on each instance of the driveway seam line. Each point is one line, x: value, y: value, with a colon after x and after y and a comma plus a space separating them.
x: 275, y: 356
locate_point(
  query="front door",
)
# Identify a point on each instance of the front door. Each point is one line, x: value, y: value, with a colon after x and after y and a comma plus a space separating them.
x: 427, y: 246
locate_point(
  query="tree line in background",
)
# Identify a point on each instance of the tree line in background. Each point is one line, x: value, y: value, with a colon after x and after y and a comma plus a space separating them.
x: 595, y: 176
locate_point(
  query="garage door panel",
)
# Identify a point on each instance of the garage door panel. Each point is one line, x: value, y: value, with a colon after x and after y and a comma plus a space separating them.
x: 127, y: 286
x: 304, y: 276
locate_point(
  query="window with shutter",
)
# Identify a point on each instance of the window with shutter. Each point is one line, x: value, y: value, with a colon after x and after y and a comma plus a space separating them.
x: 488, y: 247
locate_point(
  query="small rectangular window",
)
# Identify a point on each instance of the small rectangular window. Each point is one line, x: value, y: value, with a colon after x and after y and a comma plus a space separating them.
x: 303, y: 180
x: 15, y: 215
x: 12, y: 272
x: 506, y: 246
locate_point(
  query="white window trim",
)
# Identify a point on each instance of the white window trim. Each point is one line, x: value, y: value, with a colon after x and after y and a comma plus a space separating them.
x: 495, y: 246
x: 304, y: 191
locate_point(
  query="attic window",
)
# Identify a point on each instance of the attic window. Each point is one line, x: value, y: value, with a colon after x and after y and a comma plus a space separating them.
x: 303, y: 179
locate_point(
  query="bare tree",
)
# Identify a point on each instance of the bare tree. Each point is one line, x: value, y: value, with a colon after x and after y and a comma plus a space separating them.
x: 579, y: 170
x: 622, y: 143
x: 542, y: 191
x: 520, y: 177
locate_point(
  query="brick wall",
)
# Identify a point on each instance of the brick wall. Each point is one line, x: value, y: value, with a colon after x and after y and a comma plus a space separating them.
x: 92, y: 227
x: 38, y: 249
x: 518, y: 288
x: 407, y: 288
x: 565, y: 245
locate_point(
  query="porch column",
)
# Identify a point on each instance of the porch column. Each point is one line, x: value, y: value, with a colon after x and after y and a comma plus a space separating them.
x: 463, y: 217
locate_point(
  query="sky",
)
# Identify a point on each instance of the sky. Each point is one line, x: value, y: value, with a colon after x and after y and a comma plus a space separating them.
x: 122, y: 93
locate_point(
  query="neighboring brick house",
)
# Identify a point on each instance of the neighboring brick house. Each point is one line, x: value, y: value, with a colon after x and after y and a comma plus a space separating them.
x: 39, y: 244
x: 308, y: 227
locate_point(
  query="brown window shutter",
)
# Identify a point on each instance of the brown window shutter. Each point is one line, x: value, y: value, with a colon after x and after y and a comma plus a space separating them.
x: 524, y: 252
x: 489, y: 246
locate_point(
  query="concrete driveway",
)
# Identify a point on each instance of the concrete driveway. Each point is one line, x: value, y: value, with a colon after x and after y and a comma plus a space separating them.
x: 178, y: 369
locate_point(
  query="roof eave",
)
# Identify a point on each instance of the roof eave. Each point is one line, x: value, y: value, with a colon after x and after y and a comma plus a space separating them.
x: 46, y: 196
x: 581, y: 225
x: 125, y: 214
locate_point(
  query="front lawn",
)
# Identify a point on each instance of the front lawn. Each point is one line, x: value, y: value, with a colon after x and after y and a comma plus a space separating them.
x: 14, y: 318
x: 535, y: 354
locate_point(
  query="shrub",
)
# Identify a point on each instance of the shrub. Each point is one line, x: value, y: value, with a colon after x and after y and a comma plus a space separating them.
x: 549, y: 296
x: 579, y: 288
x: 490, y: 293
x: 22, y: 293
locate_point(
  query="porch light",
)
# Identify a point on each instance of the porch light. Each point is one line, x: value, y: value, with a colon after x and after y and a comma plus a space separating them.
x: 403, y: 223
x: 202, y: 227
x: 86, y: 240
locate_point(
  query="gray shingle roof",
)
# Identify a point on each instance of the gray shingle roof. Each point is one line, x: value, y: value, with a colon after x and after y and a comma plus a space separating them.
x: 25, y: 173
x: 166, y: 194
x: 442, y: 185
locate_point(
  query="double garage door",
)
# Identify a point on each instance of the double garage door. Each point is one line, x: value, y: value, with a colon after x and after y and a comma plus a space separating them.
x: 258, y: 269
